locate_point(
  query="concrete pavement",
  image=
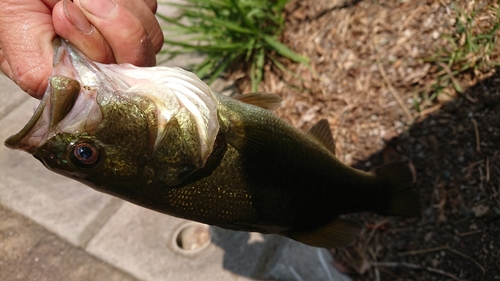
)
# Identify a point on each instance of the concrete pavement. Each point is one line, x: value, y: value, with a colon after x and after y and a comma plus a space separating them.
x: 30, y: 252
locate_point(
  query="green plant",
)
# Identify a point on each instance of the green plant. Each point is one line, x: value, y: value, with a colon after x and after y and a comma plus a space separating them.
x: 469, y: 50
x: 229, y: 32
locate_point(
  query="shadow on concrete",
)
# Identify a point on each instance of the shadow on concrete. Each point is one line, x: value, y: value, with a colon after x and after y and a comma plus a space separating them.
x: 238, y: 246
x: 277, y: 258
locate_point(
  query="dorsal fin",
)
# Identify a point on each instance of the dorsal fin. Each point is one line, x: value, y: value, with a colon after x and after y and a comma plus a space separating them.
x: 322, y: 133
x: 338, y: 233
x: 267, y: 101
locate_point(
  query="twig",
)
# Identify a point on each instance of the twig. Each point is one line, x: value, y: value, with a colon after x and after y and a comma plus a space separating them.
x: 495, y: 156
x: 430, y: 250
x: 377, y: 272
x: 424, y: 251
x: 454, y: 81
x: 327, y: 10
x: 416, y: 266
x: 429, y: 110
x: 374, y: 229
x: 392, y: 274
x: 463, y: 234
x: 391, y: 88
x: 470, y: 167
x: 467, y: 257
x: 487, y: 169
x: 478, y: 143
x: 471, y: 99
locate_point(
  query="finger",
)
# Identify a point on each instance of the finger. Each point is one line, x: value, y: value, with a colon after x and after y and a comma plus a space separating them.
x: 123, y: 31
x: 26, y: 44
x: 145, y: 11
x: 152, y: 4
x: 71, y: 24
x: 50, y: 3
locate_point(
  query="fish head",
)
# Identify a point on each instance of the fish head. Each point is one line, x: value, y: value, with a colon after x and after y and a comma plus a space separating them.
x: 109, y: 125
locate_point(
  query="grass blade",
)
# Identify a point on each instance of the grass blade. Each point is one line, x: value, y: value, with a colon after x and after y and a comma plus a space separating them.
x: 284, y: 50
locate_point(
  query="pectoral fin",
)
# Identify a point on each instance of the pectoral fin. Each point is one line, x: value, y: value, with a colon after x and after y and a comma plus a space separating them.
x: 267, y: 101
x: 338, y: 233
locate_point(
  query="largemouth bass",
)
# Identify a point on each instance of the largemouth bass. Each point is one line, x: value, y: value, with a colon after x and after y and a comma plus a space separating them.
x: 160, y: 138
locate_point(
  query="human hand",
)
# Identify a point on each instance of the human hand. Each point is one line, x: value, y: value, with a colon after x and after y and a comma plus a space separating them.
x: 107, y: 31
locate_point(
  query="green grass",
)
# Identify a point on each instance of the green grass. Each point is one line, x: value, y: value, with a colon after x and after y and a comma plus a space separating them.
x: 228, y: 33
x: 468, y: 51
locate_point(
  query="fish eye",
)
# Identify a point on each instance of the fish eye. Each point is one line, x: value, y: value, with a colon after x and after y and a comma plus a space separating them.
x: 85, y: 153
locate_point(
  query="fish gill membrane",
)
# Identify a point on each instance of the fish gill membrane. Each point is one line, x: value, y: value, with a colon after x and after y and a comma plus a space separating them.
x: 160, y: 138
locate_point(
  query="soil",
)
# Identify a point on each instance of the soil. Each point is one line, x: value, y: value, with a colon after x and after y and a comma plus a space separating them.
x: 373, y: 75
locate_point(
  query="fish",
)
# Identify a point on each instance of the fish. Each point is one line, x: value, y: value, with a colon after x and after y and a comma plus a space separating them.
x: 159, y: 137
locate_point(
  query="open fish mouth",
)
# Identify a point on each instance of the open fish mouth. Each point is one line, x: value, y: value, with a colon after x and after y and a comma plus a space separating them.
x: 80, y: 90
x: 66, y: 106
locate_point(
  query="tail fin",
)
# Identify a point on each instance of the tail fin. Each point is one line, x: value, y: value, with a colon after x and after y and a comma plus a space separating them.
x: 397, y: 180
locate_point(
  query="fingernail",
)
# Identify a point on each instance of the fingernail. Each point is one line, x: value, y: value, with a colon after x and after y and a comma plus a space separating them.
x: 99, y: 8
x: 76, y: 17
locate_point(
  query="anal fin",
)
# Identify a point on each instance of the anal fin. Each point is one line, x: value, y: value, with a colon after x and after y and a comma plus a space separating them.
x: 338, y: 233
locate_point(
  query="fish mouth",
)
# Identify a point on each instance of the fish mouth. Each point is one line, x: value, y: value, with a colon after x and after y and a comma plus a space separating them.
x: 79, y: 89
x: 66, y: 106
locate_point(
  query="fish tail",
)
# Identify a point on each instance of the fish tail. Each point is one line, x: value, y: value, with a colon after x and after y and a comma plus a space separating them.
x: 392, y: 194
x: 396, y: 194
